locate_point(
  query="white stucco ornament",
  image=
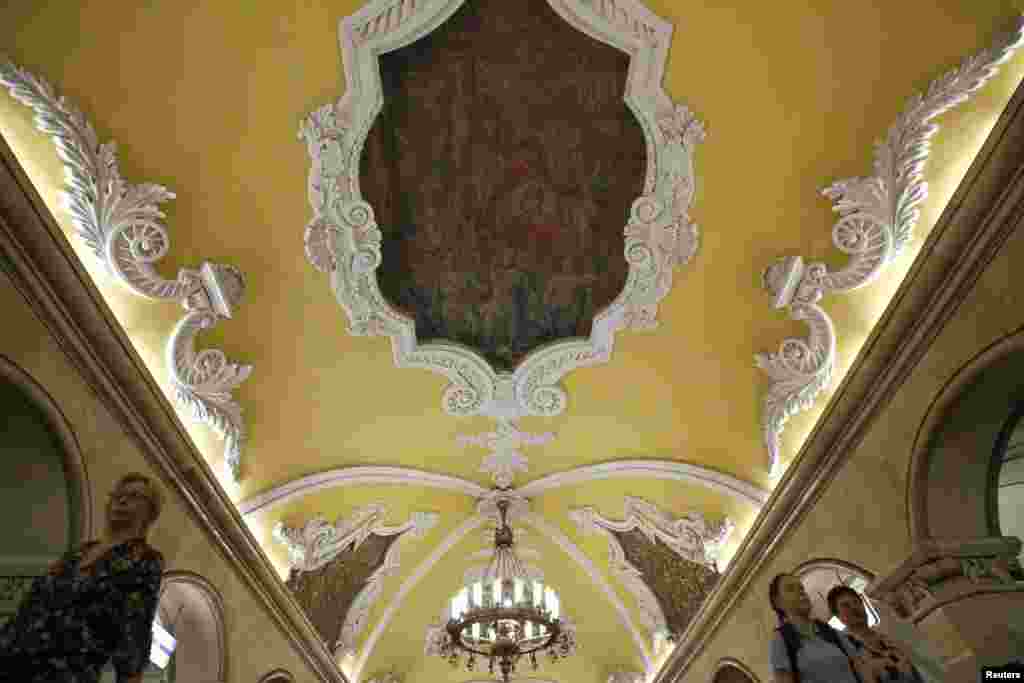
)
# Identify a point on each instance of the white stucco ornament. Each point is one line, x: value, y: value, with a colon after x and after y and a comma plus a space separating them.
x: 343, y: 240
x: 877, y: 215
x: 318, y: 542
x: 505, y: 458
x: 122, y: 224
x: 691, y: 537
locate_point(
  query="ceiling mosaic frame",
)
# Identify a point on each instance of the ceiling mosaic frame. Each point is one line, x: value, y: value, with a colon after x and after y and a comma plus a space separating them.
x: 343, y: 240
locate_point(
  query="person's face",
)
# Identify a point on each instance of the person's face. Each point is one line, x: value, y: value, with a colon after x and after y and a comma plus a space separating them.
x: 793, y: 599
x: 850, y: 610
x: 129, y: 506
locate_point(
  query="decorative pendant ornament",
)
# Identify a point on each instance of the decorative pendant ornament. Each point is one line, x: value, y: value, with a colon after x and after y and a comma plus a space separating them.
x: 505, y: 458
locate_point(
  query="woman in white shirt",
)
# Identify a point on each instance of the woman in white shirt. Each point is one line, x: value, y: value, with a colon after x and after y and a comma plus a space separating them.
x: 804, y: 650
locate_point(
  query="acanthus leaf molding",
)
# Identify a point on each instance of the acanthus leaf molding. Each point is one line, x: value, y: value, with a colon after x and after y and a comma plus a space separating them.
x: 318, y: 542
x: 122, y: 224
x: 343, y: 240
x: 691, y: 537
x: 877, y: 215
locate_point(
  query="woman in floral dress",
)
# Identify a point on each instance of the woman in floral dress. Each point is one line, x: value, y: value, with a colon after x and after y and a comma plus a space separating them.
x: 95, y: 605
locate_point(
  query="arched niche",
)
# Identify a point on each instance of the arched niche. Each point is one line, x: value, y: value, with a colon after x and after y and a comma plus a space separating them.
x: 729, y: 670
x: 192, y: 609
x: 1007, y: 477
x: 954, y: 456
x: 46, y: 479
x: 819, y: 576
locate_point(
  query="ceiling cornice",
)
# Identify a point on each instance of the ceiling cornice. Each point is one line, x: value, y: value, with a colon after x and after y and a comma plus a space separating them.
x: 877, y: 215
x: 121, y: 224
x: 43, y: 264
x: 986, y: 209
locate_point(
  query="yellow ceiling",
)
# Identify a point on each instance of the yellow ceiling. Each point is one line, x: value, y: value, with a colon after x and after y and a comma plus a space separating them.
x: 206, y: 98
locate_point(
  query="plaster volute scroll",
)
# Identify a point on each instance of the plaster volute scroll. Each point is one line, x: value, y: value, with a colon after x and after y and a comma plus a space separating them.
x: 344, y: 240
x: 121, y: 223
x: 877, y: 215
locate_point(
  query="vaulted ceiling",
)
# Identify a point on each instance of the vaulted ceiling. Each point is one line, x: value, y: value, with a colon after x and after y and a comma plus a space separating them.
x: 206, y: 99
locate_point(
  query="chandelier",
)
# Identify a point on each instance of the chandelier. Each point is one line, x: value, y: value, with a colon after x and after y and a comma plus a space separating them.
x: 504, y: 626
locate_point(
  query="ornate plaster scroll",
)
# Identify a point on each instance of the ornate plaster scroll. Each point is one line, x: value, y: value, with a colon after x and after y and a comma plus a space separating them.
x: 343, y: 240
x: 690, y: 537
x: 505, y: 458
x: 122, y: 224
x: 942, y: 571
x: 877, y: 215
x: 318, y: 542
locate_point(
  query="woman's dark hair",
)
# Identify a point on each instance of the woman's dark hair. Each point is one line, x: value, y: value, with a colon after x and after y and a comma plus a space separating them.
x: 838, y: 592
x: 773, y: 596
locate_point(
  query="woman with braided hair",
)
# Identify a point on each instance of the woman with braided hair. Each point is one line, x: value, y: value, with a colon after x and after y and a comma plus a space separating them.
x: 805, y: 650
